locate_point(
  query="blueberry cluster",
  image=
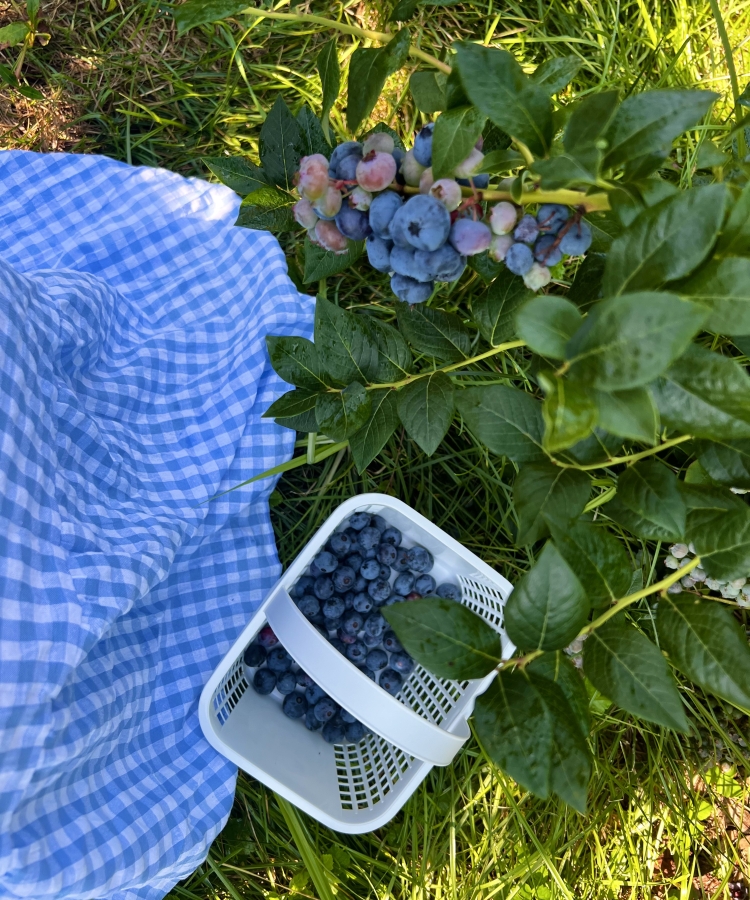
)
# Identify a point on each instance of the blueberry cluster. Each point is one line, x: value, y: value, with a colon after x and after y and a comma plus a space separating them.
x: 360, y: 194
x: 738, y: 589
x: 362, y: 568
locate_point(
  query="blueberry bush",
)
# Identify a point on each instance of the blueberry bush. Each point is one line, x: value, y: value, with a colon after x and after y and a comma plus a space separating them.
x: 601, y: 360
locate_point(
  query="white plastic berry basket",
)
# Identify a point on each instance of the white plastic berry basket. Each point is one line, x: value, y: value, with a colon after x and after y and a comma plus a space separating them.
x: 352, y: 788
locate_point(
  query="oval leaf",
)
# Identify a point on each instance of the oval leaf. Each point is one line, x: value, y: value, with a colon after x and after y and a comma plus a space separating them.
x: 723, y: 285
x: 456, y: 133
x: 547, y: 323
x: 366, y: 443
x: 651, y: 491
x: 507, y: 420
x: 542, y: 489
x: 426, y: 409
x: 342, y: 413
x: 345, y: 343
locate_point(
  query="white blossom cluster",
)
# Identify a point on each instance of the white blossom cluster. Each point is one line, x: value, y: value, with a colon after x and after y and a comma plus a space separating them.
x: 680, y: 555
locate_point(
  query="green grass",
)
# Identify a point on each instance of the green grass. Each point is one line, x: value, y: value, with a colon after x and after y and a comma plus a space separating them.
x: 118, y: 81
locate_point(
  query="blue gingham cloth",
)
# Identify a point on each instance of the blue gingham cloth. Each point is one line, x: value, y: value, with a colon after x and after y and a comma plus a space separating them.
x: 134, y: 374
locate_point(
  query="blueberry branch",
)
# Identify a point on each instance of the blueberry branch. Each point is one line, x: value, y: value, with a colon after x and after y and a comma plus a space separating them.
x: 630, y: 458
x: 588, y: 202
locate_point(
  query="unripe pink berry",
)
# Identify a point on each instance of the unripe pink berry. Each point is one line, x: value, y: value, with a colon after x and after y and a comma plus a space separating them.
x: 411, y: 169
x: 426, y: 181
x: 376, y: 171
x: 313, y: 176
x: 537, y: 277
x: 448, y: 192
x: 470, y: 237
x: 304, y: 214
x: 470, y: 166
x: 500, y: 245
x: 381, y: 141
x: 503, y: 218
x: 360, y: 199
x: 329, y: 204
x: 329, y: 237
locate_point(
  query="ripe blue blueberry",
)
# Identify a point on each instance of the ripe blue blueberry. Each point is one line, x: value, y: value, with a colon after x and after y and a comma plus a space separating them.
x: 303, y: 680
x: 371, y: 553
x: 410, y: 290
x: 294, y: 706
x: 527, y: 230
x: 551, y: 217
x: 443, y: 264
x: 375, y: 624
x: 398, y: 154
x: 333, y: 733
x: 519, y: 259
x: 391, y: 643
x: 266, y: 638
x: 392, y: 536
x: 286, y: 683
x: 313, y: 571
x: 346, y: 717
x: 420, y: 560
x: 349, y: 599
x: 334, y: 608
x: 379, y: 523
x: 423, y: 221
x: 264, y: 681
x: 325, y: 709
x: 309, y: 605
x: 311, y: 723
x: 354, y: 562
x: 303, y: 586
x: 255, y: 655
x: 346, y: 637
x: 340, y: 544
x: 401, y: 564
x: 363, y: 602
x: 352, y: 223
x: 338, y: 645
x: 334, y: 624
x: 577, y: 239
x: 480, y: 182
x: 360, y: 584
x: 449, y: 591
x: 354, y: 732
x: 370, y: 569
x: 382, y: 210
x: 326, y: 562
x: 379, y: 253
x: 369, y: 538
x: 379, y: 590
x: 343, y: 578
x: 385, y: 572
x: 314, y: 693
x: 423, y: 145
x: 546, y: 252
x: 425, y: 585
x: 402, y: 663
x: 390, y: 681
x: 394, y: 598
x: 371, y: 640
x: 403, y: 262
x: 353, y: 622
x: 404, y: 583
x: 323, y: 588
x: 469, y: 237
x: 348, y: 148
x: 356, y: 652
x: 387, y: 554
x: 279, y: 660
x: 360, y: 520
x: 377, y: 660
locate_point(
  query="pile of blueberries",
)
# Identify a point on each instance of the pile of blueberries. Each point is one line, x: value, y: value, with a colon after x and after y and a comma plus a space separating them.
x: 360, y: 195
x: 361, y: 569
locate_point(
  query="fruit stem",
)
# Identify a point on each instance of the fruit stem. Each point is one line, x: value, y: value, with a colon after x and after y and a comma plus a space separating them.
x: 617, y: 460
x: 589, y: 202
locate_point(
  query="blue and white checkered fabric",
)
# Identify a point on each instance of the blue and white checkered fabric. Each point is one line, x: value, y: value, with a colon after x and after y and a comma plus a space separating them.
x: 134, y: 375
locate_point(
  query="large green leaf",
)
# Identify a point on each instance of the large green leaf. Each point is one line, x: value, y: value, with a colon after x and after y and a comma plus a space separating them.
x: 722, y: 540
x: 426, y: 409
x: 330, y: 79
x: 556, y: 73
x: 587, y: 284
x: 445, y: 637
x: 267, y: 209
x: 588, y: 122
x: 202, y: 12
x: 428, y: 91
x: 598, y: 559
x: 320, y: 263
x: 368, y: 70
x: 563, y: 171
x: 638, y: 525
x: 311, y: 136
x: 667, y: 241
x: 507, y: 420
x: 735, y: 238
x: 628, y: 341
x: 494, y: 311
x: 651, y: 491
x: 341, y: 414
x: 433, y: 332
x: 556, y: 666
x: 279, y: 145
x: 296, y: 360
x: 548, y: 606
x: 706, y: 395
x: 708, y: 644
x: 624, y: 665
x: 295, y: 409
x: 629, y: 414
x: 569, y: 412
x: 543, y: 489
x: 394, y: 356
x: 456, y: 133
x: 366, y: 443
x: 727, y: 462
x: 547, y: 323
x: 345, y: 343
x: 236, y: 172
x: 724, y: 286
x: 497, y: 86
x: 641, y: 133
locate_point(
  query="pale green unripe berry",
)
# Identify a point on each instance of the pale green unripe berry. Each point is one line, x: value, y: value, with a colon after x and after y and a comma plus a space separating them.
x: 426, y: 181
x: 448, y: 192
x: 500, y: 245
x: 503, y: 218
x: 470, y: 166
x: 411, y: 169
x: 360, y: 199
x: 537, y: 277
x: 381, y: 141
x: 329, y: 204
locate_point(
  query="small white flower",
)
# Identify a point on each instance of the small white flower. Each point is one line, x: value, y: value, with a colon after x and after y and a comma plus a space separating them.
x: 679, y: 550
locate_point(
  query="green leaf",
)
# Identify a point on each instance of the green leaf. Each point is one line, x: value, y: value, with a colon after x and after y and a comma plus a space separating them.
x: 448, y: 639
x: 637, y: 525
x: 312, y: 138
x: 630, y: 414
x: 651, y: 491
x: 296, y: 360
x: 544, y: 489
x: 368, y: 70
x: 501, y: 161
x: 236, y: 173
x: 434, y: 332
x: 547, y: 323
x: 569, y: 412
x: 496, y: 85
x: 709, y: 156
x: 724, y: 286
x: 320, y: 263
x: 279, y: 145
x: 628, y: 341
x: 557, y: 667
x: 345, y: 343
x: 13, y: 34
x: 267, y: 209
x: 667, y: 241
x: 342, y: 413
x: 426, y: 409
x: 605, y: 228
x: 455, y: 95
x: 404, y: 10
x: 394, y: 356
x: 735, y: 238
x: 598, y: 559
x: 722, y: 540
x: 295, y: 409
x: 202, y: 12
x: 707, y: 496
x: 494, y: 311
x: 641, y: 133
x: 456, y: 133
x: 507, y: 420
x: 548, y: 606
x: 366, y: 443
x: 727, y: 462
x: 590, y: 119
x: 562, y: 171
x: 328, y: 68
x: 627, y: 667
x: 428, y: 91
x: 599, y: 446
x: 486, y: 267
x: 706, y: 395
x: 705, y: 642
x: 587, y: 284
x: 556, y: 73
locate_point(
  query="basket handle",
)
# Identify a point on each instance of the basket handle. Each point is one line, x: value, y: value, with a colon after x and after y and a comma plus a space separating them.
x: 357, y: 693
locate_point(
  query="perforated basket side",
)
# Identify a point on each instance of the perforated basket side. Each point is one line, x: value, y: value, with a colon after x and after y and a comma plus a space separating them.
x: 367, y: 772
x: 227, y: 695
